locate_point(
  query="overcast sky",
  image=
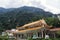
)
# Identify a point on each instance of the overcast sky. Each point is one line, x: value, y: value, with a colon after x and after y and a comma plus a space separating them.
x: 48, y: 5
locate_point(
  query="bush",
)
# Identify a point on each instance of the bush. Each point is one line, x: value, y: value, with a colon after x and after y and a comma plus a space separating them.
x: 29, y: 38
x: 45, y: 39
x: 3, y: 37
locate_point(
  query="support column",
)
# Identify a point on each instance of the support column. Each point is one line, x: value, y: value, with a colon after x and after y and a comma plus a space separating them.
x: 17, y: 37
x: 37, y: 34
x: 54, y: 35
x: 42, y: 34
x: 25, y: 36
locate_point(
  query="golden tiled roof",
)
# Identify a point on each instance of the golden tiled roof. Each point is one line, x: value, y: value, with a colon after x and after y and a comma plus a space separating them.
x: 35, y: 26
x: 33, y: 23
x: 55, y: 29
x: 28, y: 30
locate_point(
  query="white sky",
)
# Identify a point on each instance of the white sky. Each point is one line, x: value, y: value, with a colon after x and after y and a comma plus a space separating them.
x: 48, y: 5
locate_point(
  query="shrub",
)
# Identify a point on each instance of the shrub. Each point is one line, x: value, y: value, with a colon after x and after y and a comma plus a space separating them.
x: 45, y: 39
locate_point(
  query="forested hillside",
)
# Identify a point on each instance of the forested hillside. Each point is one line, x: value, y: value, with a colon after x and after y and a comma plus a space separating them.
x: 23, y: 15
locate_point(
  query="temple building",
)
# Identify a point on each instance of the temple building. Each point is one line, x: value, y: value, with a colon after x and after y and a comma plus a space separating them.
x: 37, y: 29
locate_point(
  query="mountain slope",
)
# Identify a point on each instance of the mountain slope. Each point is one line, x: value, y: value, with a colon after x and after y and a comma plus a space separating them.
x: 20, y: 16
x: 31, y: 10
x: 3, y: 10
